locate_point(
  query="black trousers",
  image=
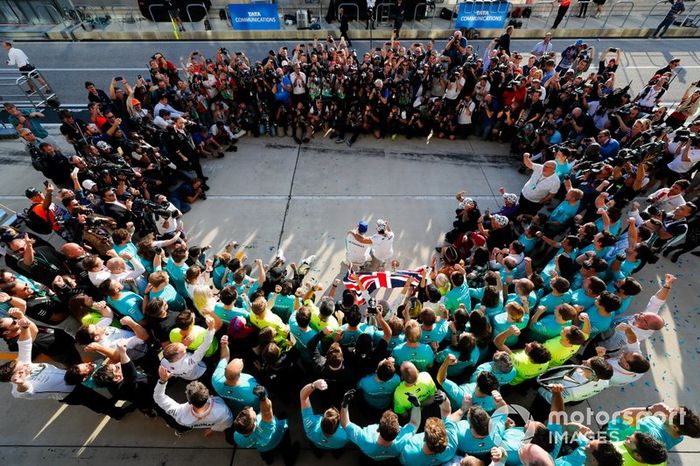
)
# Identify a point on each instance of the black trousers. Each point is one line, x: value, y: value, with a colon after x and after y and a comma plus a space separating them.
x: 528, y: 207
x: 560, y: 15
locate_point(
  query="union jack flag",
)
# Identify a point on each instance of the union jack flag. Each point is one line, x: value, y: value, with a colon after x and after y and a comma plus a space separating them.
x: 371, y: 281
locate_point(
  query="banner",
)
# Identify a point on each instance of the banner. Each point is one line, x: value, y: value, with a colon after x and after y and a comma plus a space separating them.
x: 482, y: 15
x: 247, y: 17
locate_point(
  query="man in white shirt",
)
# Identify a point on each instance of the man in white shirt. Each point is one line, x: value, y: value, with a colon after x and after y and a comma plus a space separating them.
x: 642, y: 325
x: 16, y: 57
x: 382, y: 245
x: 630, y: 366
x: 543, y: 46
x: 298, y: 79
x: 42, y: 381
x: 357, y: 247
x: 202, y: 411
x: 164, y: 105
x: 540, y: 188
x: 667, y: 199
x: 686, y: 154
x: 179, y: 363
x: 465, y: 110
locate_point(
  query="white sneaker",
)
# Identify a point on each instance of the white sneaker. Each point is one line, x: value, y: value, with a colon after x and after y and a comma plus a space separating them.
x: 309, y: 260
x: 240, y: 134
x: 280, y: 255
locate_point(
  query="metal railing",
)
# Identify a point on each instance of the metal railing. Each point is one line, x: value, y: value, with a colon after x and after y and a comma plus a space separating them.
x: 663, y: 3
x: 150, y: 12
x: 550, y: 10
x: 48, y: 7
x: 384, y: 19
x: 345, y: 7
x: 628, y: 3
x: 25, y: 90
x: 574, y: 11
x: 196, y: 5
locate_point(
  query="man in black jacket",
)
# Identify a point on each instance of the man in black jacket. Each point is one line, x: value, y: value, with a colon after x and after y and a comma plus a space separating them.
x: 181, y: 150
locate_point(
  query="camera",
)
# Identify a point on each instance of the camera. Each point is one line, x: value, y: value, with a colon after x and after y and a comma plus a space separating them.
x: 372, y: 306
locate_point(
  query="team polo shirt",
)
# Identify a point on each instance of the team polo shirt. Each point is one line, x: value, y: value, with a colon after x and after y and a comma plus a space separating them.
x: 366, y: 440
x: 479, y: 446
x: 500, y: 323
x: 421, y: 355
x: 423, y: 389
x: 531, y: 299
x: 599, y: 323
x: 198, y: 334
x: 302, y: 337
x: 169, y: 294
x: 436, y: 334
x: 560, y: 353
x: 547, y: 327
x: 350, y: 336
x: 460, y: 366
x: 652, y: 425
x: 312, y: 428
x: 376, y: 393
x: 284, y: 306
x: 525, y: 369
x: 564, y: 212
x: 478, y: 294
x: 456, y: 395
x: 502, y: 377
x: 241, y: 395
x: 268, y: 319
x: 576, y: 457
x: 580, y: 298
x: 227, y: 315
x: 177, y: 275
x: 551, y: 302
x: 128, y: 304
x: 457, y: 296
x: 265, y: 437
x: 413, y: 454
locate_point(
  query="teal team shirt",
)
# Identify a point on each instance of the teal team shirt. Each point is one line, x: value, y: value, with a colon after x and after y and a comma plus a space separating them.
x: 169, y: 294
x: 435, y: 335
x: 378, y: 394
x: 128, y: 304
x: 265, y: 437
x: 366, y: 440
x: 422, y: 355
x: 460, y: 366
x: 413, y: 455
x: 227, y: 315
x: 504, y: 378
x: 239, y: 396
x: 312, y: 428
x: 456, y: 395
x: 480, y: 446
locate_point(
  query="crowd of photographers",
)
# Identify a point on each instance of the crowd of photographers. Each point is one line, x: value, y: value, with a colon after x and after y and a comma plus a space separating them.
x: 510, y: 295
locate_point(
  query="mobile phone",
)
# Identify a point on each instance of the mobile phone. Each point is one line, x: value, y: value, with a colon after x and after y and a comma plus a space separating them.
x: 120, y: 151
x: 195, y: 53
x: 239, y: 53
x: 613, y: 49
x: 139, y: 76
x: 46, y: 183
x: 118, y: 78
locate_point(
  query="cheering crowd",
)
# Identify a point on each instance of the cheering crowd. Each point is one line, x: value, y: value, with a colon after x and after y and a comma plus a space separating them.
x: 536, y: 300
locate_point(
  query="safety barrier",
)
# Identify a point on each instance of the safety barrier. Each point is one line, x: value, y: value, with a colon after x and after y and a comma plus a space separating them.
x: 196, y: 5
x: 550, y: 10
x: 628, y: 3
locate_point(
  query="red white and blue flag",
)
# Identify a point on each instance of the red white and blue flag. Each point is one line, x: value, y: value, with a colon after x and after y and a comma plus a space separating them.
x: 371, y: 281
